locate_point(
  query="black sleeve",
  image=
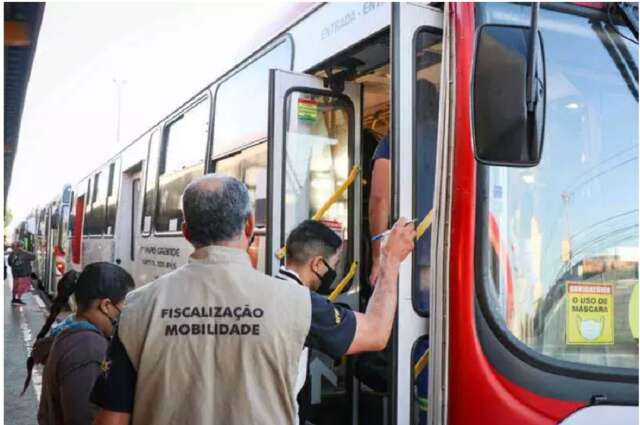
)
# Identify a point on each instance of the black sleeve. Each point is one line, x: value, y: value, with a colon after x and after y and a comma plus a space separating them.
x: 333, y: 327
x: 115, y: 388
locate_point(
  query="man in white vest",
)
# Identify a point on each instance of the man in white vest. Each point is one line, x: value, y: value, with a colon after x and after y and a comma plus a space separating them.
x: 217, y: 342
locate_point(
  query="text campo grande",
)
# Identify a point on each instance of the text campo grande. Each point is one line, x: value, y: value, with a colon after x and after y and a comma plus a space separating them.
x: 239, y: 314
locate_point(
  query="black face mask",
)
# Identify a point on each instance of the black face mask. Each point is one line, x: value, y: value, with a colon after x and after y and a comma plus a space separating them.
x: 326, y: 280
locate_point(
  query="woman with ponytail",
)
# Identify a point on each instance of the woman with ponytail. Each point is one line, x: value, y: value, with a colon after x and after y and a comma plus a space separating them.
x: 74, y: 350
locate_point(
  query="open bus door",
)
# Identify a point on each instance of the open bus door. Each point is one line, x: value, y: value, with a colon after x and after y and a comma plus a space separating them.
x: 314, y: 150
x: 419, y: 356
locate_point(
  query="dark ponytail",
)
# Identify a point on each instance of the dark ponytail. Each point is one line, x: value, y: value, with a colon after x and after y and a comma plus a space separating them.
x: 66, y: 287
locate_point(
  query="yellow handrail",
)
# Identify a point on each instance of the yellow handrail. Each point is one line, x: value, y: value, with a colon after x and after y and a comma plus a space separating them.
x: 343, y: 283
x: 422, y: 362
x: 328, y: 203
x: 424, y: 224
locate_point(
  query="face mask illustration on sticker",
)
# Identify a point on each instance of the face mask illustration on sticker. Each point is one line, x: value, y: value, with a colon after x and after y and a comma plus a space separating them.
x: 590, y: 329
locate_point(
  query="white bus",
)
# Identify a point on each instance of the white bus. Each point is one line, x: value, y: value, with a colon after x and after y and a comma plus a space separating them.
x: 473, y: 341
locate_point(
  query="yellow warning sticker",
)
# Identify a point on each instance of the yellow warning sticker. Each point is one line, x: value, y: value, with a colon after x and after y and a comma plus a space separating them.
x: 590, y: 319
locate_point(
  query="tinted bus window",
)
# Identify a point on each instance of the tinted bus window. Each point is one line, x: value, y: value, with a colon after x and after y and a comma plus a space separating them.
x: 184, y: 147
x: 151, y: 176
x: 428, y: 51
x: 250, y: 166
x: 112, y: 198
x: 561, y: 245
x: 95, y: 214
x: 242, y: 101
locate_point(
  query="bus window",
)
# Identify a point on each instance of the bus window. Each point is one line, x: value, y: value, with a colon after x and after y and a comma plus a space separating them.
x: 565, y: 233
x: 151, y: 176
x: 420, y: 381
x: 183, y: 153
x: 319, y: 129
x: 428, y: 57
x: 88, y: 194
x: 42, y: 223
x: 95, y: 213
x: 250, y: 166
x: 316, y: 160
x: 241, y: 111
x: 112, y: 199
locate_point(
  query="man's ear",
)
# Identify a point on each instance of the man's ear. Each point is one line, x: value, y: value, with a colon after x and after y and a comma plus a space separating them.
x: 249, y: 226
x: 103, y: 304
x: 185, y: 231
x: 315, y: 262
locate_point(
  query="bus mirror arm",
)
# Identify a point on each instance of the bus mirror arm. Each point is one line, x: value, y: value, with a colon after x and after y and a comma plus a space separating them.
x: 335, y: 82
x: 532, y: 91
x: 630, y: 17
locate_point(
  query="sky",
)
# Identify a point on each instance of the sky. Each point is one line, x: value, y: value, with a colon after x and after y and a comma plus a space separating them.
x: 160, y: 54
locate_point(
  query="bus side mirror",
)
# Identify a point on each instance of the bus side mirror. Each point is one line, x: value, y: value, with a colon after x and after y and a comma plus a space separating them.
x: 508, y: 125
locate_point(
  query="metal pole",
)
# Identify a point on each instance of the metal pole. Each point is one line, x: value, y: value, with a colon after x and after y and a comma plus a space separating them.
x: 119, y: 84
x: 531, y: 60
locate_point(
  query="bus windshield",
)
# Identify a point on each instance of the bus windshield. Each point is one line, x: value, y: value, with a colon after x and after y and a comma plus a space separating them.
x: 561, y: 243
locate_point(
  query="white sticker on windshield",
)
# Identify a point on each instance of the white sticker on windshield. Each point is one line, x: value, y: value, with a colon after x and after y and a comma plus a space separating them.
x: 173, y: 225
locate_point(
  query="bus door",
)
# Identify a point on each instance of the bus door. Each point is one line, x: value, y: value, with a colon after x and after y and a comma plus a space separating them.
x: 314, y: 152
x: 127, y: 229
x: 416, y: 32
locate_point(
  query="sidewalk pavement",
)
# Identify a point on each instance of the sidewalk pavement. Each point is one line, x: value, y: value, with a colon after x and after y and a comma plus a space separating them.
x: 21, y: 325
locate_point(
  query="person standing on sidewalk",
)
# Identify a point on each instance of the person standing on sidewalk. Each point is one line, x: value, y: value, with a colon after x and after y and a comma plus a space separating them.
x: 20, y: 262
x: 74, y: 350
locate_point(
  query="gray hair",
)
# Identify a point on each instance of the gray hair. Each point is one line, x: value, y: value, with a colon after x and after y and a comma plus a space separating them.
x: 215, y: 214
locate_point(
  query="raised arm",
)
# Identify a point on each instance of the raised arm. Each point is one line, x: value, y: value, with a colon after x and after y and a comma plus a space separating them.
x: 373, y: 327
